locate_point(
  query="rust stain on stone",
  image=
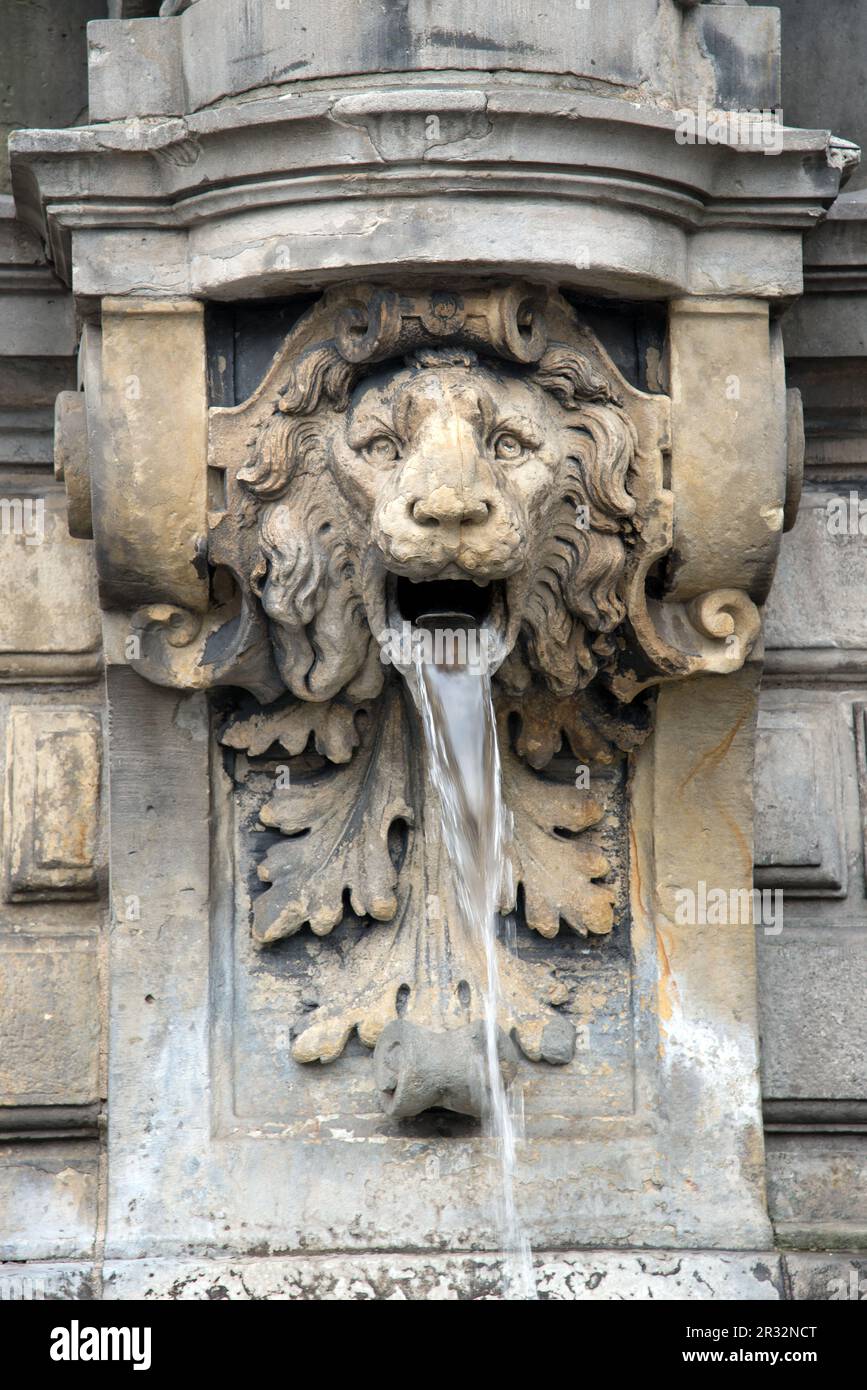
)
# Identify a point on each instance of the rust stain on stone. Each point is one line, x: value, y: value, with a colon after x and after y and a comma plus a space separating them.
x: 743, y: 843
x: 668, y: 992
x: 714, y: 756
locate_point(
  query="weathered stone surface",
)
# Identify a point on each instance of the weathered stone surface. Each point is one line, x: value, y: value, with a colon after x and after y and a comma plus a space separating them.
x: 812, y: 991
x: 39, y: 324
x: 800, y: 823
x: 826, y: 340
x: 53, y: 786
x: 594, y: 1276
x: 72, y: 463
x: 48, y: 1199
x: 158, y: 1040
x: 148, y: 479
x: 50, y: 622
x: 38, y: 308
x: 729, y: 524
x: 43, y: 67
x: 816, y: 600
x: 36, y: 345
x: 134, y: 69
x: 812, y: 966
x: 821, y: 68
x: 821, y: 1277
x: 817, y: 1185
x: 38, y: 1282
x: 49, y: 1024
x: 213, y: 52
x: 701, y: 809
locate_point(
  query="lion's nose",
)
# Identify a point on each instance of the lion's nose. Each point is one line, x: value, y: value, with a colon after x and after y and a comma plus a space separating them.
x: 446, y: 506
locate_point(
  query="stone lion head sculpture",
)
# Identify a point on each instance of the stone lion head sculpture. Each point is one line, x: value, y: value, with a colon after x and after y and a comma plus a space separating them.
x: 478, y: 465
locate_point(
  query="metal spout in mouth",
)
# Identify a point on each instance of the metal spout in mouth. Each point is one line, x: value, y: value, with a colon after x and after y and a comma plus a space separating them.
x: 454, y: 625
x: 453, y: 641
x: 442, y: 619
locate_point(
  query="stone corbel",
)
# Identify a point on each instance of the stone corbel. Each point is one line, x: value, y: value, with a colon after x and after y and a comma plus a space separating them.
x: 130, y: 446
x: 736, y: 465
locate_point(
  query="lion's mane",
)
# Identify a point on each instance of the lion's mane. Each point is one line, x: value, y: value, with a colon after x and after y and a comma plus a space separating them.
x: 308, y: 574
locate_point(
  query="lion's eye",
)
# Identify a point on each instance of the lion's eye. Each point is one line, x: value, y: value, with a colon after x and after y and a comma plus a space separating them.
x: 382, y: 449
x: 508, y: 447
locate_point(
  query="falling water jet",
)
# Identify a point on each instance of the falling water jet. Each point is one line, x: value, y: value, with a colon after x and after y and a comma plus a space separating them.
x: 451, y: 684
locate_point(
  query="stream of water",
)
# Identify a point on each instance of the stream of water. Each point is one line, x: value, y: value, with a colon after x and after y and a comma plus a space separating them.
x: 454, y: 700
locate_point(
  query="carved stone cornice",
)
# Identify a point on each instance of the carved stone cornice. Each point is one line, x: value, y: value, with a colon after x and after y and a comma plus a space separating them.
x: 353, y: 181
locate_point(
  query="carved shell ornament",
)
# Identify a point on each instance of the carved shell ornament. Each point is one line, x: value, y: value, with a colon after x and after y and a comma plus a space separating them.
x: 468, y: 447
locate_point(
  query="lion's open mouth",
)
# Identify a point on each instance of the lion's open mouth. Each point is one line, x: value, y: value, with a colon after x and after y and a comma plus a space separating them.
x: 424, y: 599
x: 396, y: 606
x: 461, y: 604
x: 484, y: 606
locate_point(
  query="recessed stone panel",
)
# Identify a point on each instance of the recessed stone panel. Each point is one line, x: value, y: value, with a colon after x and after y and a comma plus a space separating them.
x: 799, y: 831
x: 53, y: 772
x: 49, y: 1021
x: 817, y: 598
x: 48, y: 1201
x: 812, y: 987
x: 50, y: 614
x: 818, y: 1182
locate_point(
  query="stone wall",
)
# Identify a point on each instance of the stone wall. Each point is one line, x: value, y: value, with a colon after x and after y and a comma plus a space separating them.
x: 123, y: 1129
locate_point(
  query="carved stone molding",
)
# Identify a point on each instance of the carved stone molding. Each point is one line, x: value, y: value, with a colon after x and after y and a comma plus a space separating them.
x: 208, y: 209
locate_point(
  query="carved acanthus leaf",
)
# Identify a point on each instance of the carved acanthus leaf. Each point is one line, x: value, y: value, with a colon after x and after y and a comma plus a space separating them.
x: 387, y: 960
x: 337, y: 826
x: 334, y: 726
x: 593, y: 732
x: 557, y: 871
